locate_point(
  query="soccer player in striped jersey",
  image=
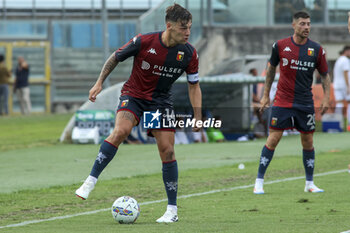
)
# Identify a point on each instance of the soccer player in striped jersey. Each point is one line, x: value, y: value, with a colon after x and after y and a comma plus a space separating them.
x: 160, y: 58
x: 293, y: 106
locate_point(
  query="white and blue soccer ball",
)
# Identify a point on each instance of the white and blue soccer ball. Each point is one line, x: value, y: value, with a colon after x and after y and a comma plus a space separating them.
x: 125, y: 210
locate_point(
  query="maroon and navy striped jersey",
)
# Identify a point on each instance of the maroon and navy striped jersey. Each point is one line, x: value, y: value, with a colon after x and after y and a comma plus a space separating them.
x: 156, y: 67
x: 297, y: 65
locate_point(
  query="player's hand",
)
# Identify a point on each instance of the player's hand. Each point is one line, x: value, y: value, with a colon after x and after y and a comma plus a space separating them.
x: 195, y: 128
x: 324, y: 106
x: 94, y: 91
x: 265, y: 103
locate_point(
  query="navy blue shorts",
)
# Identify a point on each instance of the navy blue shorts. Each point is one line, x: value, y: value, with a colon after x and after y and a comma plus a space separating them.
x: 288, y: 118
x: 140, y: 107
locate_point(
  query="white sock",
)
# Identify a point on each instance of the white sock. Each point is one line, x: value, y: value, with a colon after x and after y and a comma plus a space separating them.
x: 172, y: 208
x: 308, y: 183
x: 259, y: 183
x: 91, y: 178
x: 339, y: 108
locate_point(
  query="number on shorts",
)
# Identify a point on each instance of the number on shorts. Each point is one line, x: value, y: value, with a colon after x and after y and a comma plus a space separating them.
x: 170, y: 116
x: 311, y: 121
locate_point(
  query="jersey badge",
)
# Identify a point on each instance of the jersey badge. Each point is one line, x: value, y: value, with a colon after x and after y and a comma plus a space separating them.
x: 180, y: 56
x: 311, y: 52
x: 287, y: 49
x: 274, y: 121
x: 124, y: 103
x: 152, y: 51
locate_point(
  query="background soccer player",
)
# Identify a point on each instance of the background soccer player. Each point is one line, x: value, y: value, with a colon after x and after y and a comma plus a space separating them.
x: 293, y: 105
x: 160, y: 58
x: 341, y: 82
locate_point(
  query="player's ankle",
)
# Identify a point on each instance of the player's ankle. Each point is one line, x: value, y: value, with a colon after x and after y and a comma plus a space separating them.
x: 172, y: 208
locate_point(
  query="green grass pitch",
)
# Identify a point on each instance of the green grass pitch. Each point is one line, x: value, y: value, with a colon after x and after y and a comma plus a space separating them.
x: 38, y: 177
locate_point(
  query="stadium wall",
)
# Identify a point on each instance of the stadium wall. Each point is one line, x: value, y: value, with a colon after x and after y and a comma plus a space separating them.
x: 222, y: 42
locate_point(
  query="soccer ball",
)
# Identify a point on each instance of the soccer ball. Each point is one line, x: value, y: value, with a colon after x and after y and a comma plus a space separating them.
x: 125, y: 210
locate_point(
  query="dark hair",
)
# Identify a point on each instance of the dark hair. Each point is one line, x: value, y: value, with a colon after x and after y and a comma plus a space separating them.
x: 251, y: 71
x: 301, y: 14
x: 2, y: 58
x: 176, y: 12
x: 346, y: 47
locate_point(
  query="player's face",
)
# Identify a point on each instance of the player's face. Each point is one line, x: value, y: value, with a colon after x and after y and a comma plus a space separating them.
x: 347, y: 53
x: 302, y: 27
x: 20, y: 60
x: 180, y: 32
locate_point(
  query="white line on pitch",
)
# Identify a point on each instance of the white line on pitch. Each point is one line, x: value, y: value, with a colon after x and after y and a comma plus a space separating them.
x: 163, y: 200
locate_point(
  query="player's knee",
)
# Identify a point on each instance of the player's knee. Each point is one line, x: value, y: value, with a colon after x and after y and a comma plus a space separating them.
x: 272, y: 142
x: 119, y: 135
x: 307, y: 143
x: 167, y: 153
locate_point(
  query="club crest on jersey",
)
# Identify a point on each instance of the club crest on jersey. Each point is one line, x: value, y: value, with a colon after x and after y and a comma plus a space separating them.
x: 124, y: 103
x: 311, y: 52
x: 180, y: 56
x: 274, y: 121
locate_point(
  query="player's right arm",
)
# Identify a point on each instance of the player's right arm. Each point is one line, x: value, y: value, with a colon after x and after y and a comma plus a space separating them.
x: 326, y: 85
x: 346, y: 77
x: 270, y: 76
x: 108, y: 67
x: 346, y: 69
x: 129, y: 49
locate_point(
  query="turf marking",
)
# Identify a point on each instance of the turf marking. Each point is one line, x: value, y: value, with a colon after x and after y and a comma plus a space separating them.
x: 179, y: 197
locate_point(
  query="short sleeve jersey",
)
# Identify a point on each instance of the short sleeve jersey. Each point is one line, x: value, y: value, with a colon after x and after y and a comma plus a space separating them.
x: 156, y: 67
x: 297, y: 65
x: 341, y: 65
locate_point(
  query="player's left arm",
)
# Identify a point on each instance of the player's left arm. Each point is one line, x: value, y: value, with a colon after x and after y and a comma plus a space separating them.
x: 108, y: 67
x: 194, y: 90
x: 322, y: 68
x: 326, y: 84
x: 195, y: 94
